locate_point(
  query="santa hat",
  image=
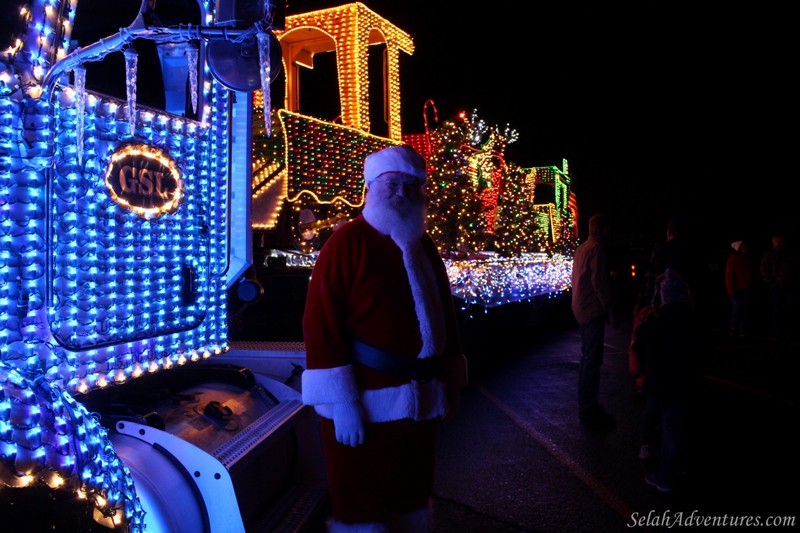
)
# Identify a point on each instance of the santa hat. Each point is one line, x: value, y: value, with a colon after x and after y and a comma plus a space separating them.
x: 401, y: 158
x: 673, y: 288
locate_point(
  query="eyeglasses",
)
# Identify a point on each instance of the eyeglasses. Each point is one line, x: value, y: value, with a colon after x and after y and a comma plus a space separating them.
x: 394, y: 184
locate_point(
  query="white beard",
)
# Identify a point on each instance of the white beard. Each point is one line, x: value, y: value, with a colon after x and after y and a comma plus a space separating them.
x: 404, y: 220
x: 400, y: 217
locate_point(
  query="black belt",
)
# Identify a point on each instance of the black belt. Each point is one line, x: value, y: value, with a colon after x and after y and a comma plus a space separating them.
x: 397, y: 365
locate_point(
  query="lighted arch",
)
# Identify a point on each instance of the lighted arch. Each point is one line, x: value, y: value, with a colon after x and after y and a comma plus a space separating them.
x: 347, y: 30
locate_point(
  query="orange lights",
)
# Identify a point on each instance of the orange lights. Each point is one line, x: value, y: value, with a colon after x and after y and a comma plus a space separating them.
x: 145, y: 180
x: 347, y: 30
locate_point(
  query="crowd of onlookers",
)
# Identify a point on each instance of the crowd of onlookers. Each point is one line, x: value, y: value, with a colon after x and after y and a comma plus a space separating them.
x: 676, y: 306
x: 771, y: 278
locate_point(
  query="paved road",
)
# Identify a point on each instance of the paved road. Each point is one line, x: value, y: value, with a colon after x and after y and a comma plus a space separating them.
x: 516, y: 458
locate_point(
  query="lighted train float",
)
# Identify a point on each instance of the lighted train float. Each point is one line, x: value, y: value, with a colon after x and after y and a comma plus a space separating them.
x: 124, y: 205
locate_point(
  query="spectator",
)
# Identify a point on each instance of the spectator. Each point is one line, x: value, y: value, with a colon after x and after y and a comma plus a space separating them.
x: 780, y: 270
x: 666, y: 343
x: 592, y: 306
x: 676, y: 252
x: 740, y: 278
x: 384, y: 359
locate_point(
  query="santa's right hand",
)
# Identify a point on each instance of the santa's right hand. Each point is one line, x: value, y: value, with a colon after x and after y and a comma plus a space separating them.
x: 348, y: 422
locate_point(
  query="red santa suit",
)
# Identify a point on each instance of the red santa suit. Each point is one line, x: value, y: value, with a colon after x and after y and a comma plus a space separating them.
x: 396, y: 298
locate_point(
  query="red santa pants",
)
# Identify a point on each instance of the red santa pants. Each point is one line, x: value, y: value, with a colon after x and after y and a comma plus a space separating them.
x: 392, y: 472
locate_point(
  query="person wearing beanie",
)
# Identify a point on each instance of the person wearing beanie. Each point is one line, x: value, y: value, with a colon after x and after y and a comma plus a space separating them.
x: 681, y: 253
x: 740, y: 279
x: 666, y: 343
x: 384, y: 362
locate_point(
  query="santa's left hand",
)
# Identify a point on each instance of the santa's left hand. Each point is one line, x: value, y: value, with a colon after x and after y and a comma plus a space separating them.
x: 348, y: 423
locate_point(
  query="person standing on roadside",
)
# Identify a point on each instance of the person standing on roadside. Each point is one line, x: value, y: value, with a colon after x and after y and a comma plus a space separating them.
x: 780, y: 270
x: 740, y: 279
x: 675, y: 252
x: 592, y: 307
x: 666, y: 344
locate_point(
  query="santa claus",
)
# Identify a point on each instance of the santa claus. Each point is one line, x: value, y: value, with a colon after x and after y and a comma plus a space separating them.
x: 383, y: 354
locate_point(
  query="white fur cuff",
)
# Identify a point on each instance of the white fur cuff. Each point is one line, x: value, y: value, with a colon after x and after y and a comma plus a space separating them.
x: 329, y: 385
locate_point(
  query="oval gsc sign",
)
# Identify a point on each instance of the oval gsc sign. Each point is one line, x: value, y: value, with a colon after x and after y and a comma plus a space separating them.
x: 144, y: 179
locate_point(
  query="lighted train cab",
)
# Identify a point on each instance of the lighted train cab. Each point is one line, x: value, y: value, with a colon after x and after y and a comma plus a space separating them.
x: 124, y: 190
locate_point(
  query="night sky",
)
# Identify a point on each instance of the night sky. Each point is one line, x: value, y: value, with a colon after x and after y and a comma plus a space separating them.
x: 659, y: 109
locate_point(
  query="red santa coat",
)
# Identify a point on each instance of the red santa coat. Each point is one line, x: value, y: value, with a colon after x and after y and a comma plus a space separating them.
x: 363, y: 287
x: 360, y: 289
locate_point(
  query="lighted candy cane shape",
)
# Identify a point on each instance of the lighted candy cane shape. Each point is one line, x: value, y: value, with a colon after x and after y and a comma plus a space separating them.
x: 425, y: 119
x: 131, y: 62
x: 80, y: 105
x: 191, y: 59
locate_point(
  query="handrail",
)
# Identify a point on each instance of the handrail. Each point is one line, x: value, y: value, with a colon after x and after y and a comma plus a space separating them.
x: 137, y: 30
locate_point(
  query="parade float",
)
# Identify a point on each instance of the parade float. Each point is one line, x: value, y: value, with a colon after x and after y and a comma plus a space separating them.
x: 506, y: 232
x: 150, y: 187
x: 124, y: 175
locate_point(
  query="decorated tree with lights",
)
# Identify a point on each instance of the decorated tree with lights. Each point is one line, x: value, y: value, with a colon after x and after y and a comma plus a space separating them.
x: 454, y: 207
x: 466, y: 172
x: 517, y: 230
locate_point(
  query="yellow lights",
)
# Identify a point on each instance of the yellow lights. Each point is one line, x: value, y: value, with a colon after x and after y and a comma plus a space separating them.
x: 145, y: 180
x: 53, y: 480
x: 110, y: 522
x: 325, y: 161
x: 347, y: 30
x: 35, y: 91
x: 304, y: 58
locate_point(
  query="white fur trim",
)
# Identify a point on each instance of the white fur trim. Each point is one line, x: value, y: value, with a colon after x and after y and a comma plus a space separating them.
x: 394, y: 159
x: 427, y: 304
x: 415, y: 400
x: 334, y: 526
x: 329, y: 385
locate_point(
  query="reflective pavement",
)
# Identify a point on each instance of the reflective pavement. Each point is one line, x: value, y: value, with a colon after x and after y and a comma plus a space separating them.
x: 516, y: 458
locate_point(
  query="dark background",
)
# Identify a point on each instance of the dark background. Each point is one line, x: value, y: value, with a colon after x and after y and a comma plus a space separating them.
x: 658, y: 109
